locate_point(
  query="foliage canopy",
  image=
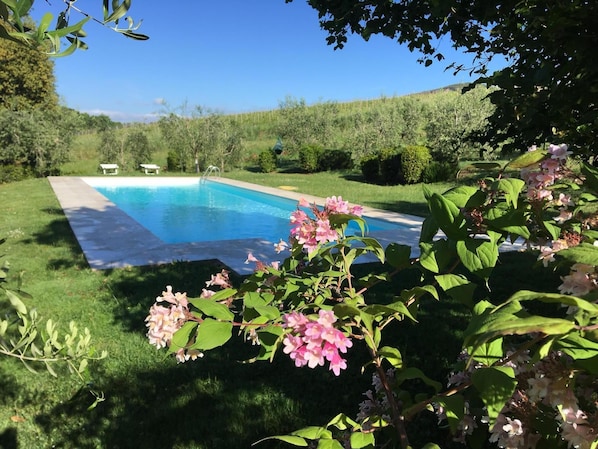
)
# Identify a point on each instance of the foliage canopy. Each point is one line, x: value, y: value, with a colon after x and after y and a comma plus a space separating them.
x: 547, y: 90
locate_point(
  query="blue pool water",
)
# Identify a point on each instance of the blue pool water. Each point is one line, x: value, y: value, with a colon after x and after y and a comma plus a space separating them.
x: 210, y: 211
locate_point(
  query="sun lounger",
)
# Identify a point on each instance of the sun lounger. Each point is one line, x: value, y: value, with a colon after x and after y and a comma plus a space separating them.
x: 150, y: 169
x: 109, y: 169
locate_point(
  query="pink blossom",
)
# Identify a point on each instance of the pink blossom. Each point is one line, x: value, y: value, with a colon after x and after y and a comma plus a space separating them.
x: 312, y: 342
x: 563, y: 216
x: 326, y: 317
x: 173, y: 298
x: 324, y: 233
x: 295, y: 321
x: 337, y: 205
x: 304, y: 203
x: 559, y: 151
x: 280, y: 246
x: 220, y: 279
x: 356, y: 210
x: 551, y: 165
x: 251, y: 258
x: 580, y: 281
x: 337, y: 363
x: 564, y: 200
x: 163, y: 322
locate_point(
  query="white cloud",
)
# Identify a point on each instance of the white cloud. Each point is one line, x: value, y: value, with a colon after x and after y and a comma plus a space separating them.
x: 125, y: 117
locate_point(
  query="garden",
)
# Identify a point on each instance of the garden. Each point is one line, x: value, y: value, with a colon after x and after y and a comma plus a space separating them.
x: 447, y: 342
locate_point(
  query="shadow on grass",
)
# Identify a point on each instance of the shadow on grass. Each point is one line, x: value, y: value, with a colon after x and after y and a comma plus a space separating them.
x: 214, y: 403
x: 59, y: 233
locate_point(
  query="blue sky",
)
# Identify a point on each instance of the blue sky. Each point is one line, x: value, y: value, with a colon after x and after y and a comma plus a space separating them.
x: 232, y: 56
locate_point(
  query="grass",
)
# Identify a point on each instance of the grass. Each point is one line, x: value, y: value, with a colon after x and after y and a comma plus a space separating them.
x: 152, y: 402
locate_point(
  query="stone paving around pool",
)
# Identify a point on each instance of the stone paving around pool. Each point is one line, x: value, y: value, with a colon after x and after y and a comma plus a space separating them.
x: 109, y: 238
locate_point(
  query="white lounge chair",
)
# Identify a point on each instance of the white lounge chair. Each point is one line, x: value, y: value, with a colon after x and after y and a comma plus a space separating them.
x: 150, y: 169
x: 109, y: 169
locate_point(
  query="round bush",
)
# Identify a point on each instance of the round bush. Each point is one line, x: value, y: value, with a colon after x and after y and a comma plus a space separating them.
x: 370, y: 168
x: 390, y: 166
x: 309, y: 158
x: 267, y: 161
x: 414, y: 160
x: 335, y: 160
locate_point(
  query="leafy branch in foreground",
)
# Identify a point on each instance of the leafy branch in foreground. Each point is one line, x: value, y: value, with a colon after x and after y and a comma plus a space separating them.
x: 25, y: 337
x: 15, y: 25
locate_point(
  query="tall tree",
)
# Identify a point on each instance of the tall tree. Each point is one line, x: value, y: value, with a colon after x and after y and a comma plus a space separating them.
x: 26, y: 78
x: 548, y: 90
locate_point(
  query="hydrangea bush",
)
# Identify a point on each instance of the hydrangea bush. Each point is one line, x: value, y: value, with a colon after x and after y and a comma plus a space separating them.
x: 523, y: 380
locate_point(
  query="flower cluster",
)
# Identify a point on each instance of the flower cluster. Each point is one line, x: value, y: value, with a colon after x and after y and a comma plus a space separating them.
x: 311, y: 232
x: 163, y: 322
x: 312, y: 342
x: 546, y: 390
x: 376, y: 405
x: 539, y: 179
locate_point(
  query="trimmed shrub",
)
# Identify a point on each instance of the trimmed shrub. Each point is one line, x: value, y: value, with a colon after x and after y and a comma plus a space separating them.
x: 335, y: 160
x: 309, y: 158
x: 267, y: 161
x: 414, y: 160
x: 437, y: 171
x: 390, y: 166
x: 370, y: 168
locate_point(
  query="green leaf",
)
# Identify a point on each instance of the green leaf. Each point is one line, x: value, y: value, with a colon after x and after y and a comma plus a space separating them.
x: 512, y: 188
x: 489, y: 353
x: 270, y: 337
x: 429, y: 229
x: 290, y: 439
x: 312, y: 433
x: 180, y: 338
x: 454, y: 409
x: 118, y: 12
x: 526, y: 160
x: 392, y: 356
x: 398, y: 256
x: 212, y: 334
x: 577, y: 347
x: 344, y: 310
x: 361, y: 440
x: 552, y: 229
x: 584, y: 253
x: 415, y: 373
x: 509, y: 220
x: 435, y: 257
x: 490, y: 325
x: 478, y: 256
x: 448, y: 216
x: 211, y: 308
x: 329, y: 444
x: 496, y: 385
x: 16, y: 302
x: 457, y: 287
x: 465, y: 196
x: 554, y: 298
x: 342, y: 422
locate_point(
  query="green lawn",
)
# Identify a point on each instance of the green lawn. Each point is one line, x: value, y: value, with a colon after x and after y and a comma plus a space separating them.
x: 151, y: 402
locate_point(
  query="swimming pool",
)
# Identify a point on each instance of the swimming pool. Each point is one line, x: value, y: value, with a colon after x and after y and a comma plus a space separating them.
x: 111, y: 238
x: 209, y: 211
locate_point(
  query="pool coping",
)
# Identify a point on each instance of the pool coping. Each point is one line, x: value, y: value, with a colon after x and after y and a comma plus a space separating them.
x: 110, y: 238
